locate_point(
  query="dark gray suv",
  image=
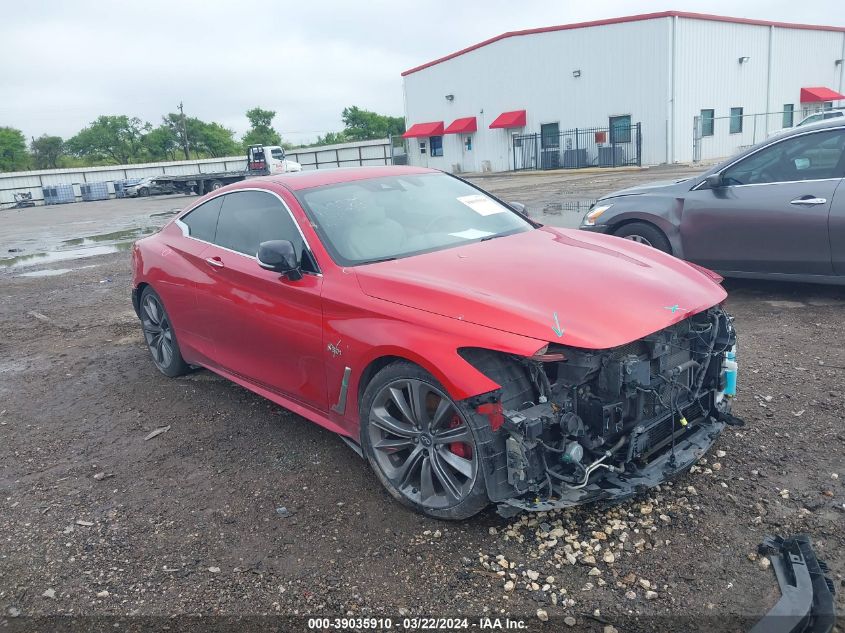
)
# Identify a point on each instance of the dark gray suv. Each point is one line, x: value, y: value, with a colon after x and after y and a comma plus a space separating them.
x: 776, y: 210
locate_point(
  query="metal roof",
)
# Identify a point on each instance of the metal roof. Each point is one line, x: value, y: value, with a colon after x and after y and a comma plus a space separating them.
x: 630, y: 18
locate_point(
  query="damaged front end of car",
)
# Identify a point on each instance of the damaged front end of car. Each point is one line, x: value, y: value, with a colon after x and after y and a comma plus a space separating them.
x: 575, y: 426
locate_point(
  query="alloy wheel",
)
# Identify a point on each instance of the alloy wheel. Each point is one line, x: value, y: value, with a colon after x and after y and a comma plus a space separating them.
x: 638, y: 238
x: 422, y: 443
x: 157, y: 330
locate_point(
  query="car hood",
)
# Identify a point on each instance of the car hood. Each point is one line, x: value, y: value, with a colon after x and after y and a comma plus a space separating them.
x: 664, y: 186
x: 574, y: 288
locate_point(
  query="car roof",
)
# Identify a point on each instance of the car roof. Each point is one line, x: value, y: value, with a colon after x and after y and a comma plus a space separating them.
x: 321, y: 177
x: 800, y: 129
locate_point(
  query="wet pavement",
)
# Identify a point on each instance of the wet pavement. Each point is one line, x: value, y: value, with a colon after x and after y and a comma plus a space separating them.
x: 64, y: 233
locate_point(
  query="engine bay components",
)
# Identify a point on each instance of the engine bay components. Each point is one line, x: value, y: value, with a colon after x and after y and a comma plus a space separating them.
x: 603, y: 423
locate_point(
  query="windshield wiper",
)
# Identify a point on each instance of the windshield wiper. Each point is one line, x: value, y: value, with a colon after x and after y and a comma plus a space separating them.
x: 490, y: 237
x: 377, y: 261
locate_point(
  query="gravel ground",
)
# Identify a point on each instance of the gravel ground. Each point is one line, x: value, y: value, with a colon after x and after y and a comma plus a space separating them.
x: 241, y: 508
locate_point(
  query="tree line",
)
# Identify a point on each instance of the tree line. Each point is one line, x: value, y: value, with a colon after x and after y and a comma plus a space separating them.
x: 121, y: 139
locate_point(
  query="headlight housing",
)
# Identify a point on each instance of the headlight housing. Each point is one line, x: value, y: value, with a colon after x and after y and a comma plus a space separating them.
x: 593, y: 214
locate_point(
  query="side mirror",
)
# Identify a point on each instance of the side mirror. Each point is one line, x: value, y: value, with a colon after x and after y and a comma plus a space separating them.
x: 714, y: 181
x: 518, y: 207
x: 280, y: 257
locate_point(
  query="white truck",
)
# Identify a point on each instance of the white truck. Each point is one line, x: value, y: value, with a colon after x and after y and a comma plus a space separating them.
x: 261, y: 160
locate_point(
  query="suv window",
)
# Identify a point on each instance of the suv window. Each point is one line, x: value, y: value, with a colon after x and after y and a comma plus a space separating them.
x: 251, y: 217
x: 202, y: 221
x: 806, y: 157
x: 277, y: 154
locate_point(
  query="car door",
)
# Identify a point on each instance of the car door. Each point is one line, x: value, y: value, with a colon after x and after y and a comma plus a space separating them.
x: 771, y: 213
x: 837, y: 229
x: 188, y: 268
x: 266, y: 328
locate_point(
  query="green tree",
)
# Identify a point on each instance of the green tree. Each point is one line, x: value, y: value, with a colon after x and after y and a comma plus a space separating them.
x: 46, y: 151
x: 363, y: 125
x: 13, y: 156
x: 161, y: 143
x: 332, y: 138
x: 261, y: 131
x: 209, y: 140
x: 111, y: 139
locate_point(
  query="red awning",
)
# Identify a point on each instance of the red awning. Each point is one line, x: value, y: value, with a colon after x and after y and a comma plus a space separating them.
x: 435, y: 128
x: 462, y: 126
x: 812, y: 95
x: 509, y: 119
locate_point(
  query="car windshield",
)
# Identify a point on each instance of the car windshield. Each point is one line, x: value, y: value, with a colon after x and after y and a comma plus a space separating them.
x: 378, y: 219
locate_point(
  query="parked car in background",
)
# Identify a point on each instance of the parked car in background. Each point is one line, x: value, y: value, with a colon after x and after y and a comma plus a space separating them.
x: 147, y: 187
x: 776, y: 211
x: 471, y: 355
x: 824, y: 115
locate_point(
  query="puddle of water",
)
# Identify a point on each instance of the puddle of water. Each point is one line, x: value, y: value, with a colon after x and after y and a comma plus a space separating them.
x: 49, y: 272
x: 115, y: 236
x: 78, y: 248
x: 59, y: 256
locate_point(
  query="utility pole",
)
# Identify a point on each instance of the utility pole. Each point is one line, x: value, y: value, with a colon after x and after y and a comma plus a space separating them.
x: 185, y: 146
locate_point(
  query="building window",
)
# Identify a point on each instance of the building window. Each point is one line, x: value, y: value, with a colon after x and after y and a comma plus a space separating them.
x: 736, y: 120
x: 828, y: 105
x: 422, y: 147
x: 788, y: 114
x: 468, y: 142
x: 707, y: 120
x: 436, y: 143
x: 620, y: 129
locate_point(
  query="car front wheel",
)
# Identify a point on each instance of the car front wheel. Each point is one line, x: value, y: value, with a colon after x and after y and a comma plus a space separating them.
x: 422, y: 445
x: 645, y: 233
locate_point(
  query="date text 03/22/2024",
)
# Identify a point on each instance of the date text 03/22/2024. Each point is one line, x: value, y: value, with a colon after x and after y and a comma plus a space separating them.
x: 418, y: 624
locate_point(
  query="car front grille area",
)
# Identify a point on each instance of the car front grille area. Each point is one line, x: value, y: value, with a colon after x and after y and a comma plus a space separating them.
x: 646, y: 440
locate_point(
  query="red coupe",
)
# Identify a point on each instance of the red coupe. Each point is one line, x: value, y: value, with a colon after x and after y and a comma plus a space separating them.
x: 469, y: 353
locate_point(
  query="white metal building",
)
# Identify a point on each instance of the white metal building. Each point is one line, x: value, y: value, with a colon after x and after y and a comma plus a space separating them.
x: 662, y: 70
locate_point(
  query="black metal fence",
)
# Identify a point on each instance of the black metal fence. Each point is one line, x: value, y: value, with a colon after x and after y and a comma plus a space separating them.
x: 614, y: 146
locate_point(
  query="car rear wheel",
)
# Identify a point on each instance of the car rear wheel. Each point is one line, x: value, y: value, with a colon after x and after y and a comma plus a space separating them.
x: 647, y: 234
x: 159, y: 335
x: 421, y: 444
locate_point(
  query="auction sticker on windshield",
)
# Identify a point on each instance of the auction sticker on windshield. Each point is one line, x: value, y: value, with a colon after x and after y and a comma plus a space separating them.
x: 482, y: 205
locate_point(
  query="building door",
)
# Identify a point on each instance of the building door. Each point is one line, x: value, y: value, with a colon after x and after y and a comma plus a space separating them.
x: 620, y: 129
x: 550, y: 145
x: 468, y: 152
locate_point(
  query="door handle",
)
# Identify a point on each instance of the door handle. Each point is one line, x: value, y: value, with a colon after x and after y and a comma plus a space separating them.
x: 214, y: 261
x: 809, y: 200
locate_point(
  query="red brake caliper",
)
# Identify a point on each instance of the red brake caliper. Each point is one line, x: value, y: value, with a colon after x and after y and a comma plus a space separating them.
x: 459, y: 448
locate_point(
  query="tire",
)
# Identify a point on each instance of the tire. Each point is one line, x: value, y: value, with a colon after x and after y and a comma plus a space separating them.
x: 143, y: 192
x: 645, y: 233
x: 417, y: 457
x: 159, y: 335
x: 215, y: 185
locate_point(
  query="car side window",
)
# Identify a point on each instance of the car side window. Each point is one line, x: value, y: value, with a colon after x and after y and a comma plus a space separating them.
x: 251, y: 217
x: 815, y: 156
x: 202, y: 221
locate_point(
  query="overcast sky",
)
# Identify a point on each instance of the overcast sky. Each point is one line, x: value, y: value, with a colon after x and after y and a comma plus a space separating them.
x: 64, y: 63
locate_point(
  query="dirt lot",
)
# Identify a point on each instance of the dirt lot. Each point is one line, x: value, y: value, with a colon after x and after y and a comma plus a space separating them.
x: 96, y: 520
